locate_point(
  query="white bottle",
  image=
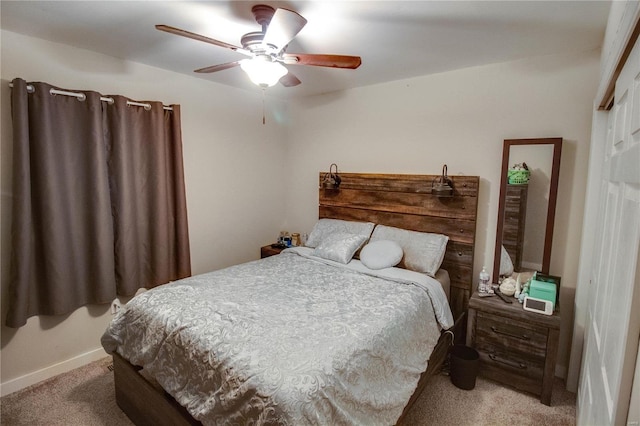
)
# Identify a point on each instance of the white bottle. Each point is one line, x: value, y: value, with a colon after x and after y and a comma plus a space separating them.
x: 483, y: 284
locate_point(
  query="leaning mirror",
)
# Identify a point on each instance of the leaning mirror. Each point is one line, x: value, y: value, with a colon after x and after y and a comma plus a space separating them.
x: 526, y: 211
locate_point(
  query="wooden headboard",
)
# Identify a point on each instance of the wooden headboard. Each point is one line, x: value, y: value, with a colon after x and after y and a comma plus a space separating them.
x: 405, y: 201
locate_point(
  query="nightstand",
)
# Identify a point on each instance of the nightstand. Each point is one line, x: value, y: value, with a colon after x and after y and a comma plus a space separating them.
x: 516, y: 347
x: 267, y: 251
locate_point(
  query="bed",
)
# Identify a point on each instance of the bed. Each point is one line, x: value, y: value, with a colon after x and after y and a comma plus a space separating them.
x: 310, y: 336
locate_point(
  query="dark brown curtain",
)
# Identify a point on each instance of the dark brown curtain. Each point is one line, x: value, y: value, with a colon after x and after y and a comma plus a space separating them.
x: 147, y: 195
x: 99, y: 203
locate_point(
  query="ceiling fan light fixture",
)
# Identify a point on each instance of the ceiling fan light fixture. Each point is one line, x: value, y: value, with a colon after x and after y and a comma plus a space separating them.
x: 263, y: 71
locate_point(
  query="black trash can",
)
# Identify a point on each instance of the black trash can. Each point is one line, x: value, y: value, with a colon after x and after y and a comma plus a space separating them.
x: 464, y: 365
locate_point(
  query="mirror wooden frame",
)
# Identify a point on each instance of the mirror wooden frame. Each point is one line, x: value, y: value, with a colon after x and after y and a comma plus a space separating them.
x: 551, y: 208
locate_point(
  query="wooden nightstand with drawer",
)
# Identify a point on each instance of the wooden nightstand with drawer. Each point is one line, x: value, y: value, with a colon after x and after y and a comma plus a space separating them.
x: 270, y: 250
x: 516, y: 347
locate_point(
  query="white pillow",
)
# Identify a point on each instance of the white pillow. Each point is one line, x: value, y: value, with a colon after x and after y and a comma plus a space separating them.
x: 423, y: 252
x: 339, y: 247
x: 381, y: 254
x: 506, y: 264
x: 325, y: 227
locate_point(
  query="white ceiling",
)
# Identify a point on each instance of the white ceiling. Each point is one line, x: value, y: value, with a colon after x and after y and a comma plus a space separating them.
x: 396, y: 39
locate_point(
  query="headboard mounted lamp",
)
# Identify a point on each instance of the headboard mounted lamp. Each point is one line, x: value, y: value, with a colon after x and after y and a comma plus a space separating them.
x: 331, y: 180
x: 442, y: 186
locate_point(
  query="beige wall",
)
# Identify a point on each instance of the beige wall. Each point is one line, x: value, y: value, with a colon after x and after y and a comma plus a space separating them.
x: 409, y: 126
x: 459, y: 118
x: 228, y: 152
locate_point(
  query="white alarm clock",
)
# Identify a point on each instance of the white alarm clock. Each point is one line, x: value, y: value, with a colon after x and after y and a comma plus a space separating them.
x: 540, y: 306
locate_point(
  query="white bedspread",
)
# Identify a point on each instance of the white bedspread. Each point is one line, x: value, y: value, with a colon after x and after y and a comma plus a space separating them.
x: 288, y: 339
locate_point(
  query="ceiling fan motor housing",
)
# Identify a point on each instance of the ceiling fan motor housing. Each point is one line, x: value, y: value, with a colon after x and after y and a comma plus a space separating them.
x: 263, y: 14
x: 253, y: 43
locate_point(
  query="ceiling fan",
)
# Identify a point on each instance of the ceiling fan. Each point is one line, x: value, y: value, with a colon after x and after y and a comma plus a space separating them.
x: 266, y: 49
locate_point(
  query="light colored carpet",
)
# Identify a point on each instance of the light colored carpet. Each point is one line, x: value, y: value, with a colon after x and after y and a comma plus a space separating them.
x: 85, y: 396
x: 489, y: 403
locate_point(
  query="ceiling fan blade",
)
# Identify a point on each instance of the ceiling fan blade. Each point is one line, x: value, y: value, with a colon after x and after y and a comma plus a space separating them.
x: 289, y: 80
x: 219, y: 67
x: 284, y: 26
x: 177, y: 31
x: 333, y: 61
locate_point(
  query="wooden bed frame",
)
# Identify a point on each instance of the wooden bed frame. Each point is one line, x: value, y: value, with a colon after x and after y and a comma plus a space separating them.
x: 403, y: 201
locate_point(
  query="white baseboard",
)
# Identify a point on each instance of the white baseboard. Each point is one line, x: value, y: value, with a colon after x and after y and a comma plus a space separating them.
x: 22, y: 382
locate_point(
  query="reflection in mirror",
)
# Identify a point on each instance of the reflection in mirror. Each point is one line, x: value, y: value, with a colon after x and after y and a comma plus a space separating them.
x: 527, y: 206
x: 528, y: 202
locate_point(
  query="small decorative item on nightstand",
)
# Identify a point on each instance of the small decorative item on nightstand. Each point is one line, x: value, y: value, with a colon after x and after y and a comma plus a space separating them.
x: 545, y: 287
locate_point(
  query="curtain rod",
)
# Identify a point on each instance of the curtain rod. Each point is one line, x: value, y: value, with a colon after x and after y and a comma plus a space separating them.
x: 82, y: 97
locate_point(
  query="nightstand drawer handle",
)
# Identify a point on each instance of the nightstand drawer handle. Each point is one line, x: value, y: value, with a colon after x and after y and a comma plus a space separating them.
x: 514, y: 364
x: 506, y: 333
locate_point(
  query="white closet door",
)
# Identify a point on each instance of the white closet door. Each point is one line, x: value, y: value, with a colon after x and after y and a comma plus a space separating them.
x: 613, y: 312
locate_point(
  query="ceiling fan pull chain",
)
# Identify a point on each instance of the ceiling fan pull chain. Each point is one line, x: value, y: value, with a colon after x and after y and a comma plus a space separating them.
x: 263, y: 118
